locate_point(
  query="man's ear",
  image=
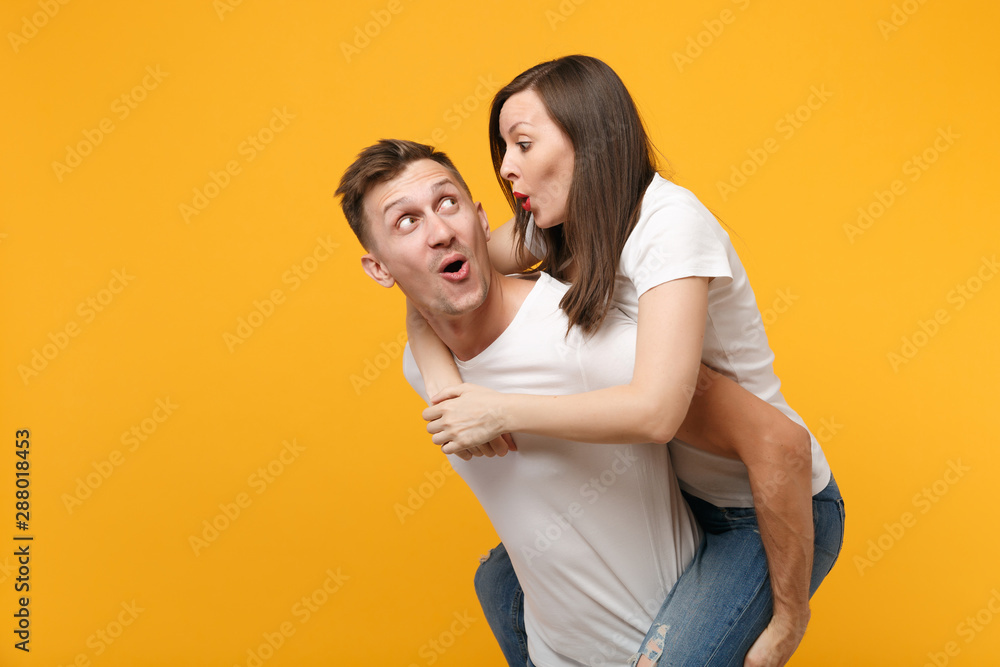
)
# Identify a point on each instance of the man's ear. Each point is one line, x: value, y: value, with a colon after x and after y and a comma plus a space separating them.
x: 376, y: 271
x: 482, y: 219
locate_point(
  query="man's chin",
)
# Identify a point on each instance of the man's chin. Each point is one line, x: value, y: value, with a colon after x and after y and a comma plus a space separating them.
x: 465, y: 301
x: 459, y: 307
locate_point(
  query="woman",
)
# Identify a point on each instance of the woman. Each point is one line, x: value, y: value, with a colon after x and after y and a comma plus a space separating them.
x: 577, y: 168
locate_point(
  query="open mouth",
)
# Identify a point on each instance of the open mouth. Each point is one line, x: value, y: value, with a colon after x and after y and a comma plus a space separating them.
x: 454, y: 268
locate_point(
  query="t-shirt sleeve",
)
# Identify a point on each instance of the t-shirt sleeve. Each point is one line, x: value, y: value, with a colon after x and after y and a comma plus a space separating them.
x: 676, y: 237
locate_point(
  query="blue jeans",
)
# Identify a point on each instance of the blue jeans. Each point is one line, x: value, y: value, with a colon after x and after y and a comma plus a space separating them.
x: 715, y: 611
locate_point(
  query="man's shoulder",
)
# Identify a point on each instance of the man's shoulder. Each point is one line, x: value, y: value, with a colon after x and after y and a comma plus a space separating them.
x: 412, y: 373
x: 538, y: 303
x: 543, y: 282
x: 533, y: 328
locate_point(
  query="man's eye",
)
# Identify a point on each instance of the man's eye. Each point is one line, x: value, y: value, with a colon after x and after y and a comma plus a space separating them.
x: 449, y: 202
x: 406, y: 222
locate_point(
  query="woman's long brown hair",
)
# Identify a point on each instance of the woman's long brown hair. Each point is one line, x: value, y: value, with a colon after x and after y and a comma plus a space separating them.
x: 614, y: 164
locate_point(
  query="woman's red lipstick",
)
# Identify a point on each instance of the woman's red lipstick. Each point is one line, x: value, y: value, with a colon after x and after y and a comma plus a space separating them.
x: 526, y: 204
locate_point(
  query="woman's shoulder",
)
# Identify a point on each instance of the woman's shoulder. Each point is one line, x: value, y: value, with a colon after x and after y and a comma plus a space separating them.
x: 676, y: 236
x: 669, y: 211
x: 662, y: 193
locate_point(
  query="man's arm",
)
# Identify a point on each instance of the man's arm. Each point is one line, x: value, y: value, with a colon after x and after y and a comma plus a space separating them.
x: 726, y: 419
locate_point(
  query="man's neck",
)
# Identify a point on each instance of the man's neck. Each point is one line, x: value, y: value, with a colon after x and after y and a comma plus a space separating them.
x: 469, y: 334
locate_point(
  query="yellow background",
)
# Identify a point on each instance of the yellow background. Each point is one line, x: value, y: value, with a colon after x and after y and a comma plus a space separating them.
x: 837, y: 304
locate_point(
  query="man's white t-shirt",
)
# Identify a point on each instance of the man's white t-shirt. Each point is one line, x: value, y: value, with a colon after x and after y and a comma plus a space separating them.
x: 677, y: 237
x: 598, y: 534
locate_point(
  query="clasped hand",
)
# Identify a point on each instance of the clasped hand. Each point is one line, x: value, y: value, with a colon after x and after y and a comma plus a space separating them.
x: 467, y: 420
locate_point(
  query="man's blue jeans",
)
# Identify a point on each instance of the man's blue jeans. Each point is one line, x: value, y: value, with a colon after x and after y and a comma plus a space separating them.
x: 715, y: 611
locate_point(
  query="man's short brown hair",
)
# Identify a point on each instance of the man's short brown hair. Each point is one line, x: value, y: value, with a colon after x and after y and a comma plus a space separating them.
x: 379, y: 163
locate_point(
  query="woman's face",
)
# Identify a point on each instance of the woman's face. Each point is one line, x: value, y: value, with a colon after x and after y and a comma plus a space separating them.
x: 539, y: 158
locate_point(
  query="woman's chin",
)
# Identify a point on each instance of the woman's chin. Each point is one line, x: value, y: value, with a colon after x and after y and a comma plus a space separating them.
x: 544, y: 222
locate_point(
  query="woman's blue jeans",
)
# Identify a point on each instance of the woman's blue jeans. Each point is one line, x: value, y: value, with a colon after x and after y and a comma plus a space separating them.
x: 716, y: 610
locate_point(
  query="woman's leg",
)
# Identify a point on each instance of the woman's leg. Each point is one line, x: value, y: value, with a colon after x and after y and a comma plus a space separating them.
x: 722, y: 602
x: 503, y: 605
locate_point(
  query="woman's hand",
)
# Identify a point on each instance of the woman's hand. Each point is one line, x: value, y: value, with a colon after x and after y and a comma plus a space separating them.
x: 495, y: 447
x: 466, y: 416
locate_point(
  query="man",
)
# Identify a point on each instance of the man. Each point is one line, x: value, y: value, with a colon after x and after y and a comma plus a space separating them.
x: 597, y: 534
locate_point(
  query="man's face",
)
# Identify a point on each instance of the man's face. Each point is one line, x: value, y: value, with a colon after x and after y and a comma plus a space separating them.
x: 429, y: 237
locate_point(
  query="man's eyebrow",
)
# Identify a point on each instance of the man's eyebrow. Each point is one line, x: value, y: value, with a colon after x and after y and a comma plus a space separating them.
x: 407, y: 199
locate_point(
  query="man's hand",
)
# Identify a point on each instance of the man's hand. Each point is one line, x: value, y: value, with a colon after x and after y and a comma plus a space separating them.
x: 777, y: 643
x: 464, y: 417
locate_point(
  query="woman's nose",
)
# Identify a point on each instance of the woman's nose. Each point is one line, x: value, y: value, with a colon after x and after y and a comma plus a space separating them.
x: 508, y: 168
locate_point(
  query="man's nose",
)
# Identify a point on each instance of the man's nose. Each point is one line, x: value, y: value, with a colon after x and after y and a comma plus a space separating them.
x: 439, y: 231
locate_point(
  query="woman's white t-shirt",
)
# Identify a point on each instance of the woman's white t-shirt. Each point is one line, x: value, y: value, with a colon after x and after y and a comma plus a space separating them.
x: 677, y: 237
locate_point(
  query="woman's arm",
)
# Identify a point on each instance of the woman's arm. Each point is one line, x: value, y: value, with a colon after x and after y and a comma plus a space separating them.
x: 648, y: 409
x: 503, y: 251
x: 437, y: 368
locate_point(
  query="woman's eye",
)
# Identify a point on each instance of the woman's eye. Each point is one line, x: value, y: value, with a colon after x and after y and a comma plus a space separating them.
x: 525, y: 145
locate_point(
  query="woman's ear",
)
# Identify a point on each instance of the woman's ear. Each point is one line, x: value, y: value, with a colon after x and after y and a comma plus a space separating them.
x: 377, y: 271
